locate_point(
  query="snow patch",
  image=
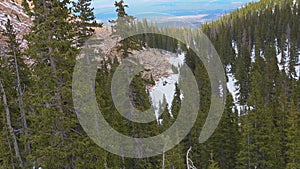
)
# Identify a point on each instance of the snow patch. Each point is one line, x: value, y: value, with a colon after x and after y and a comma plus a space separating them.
x: 233, y: 89
x: 279, y: 58
x: 235, y: 47
x: 165, y: 86
x: 253, y: 54
x: 297, y: 68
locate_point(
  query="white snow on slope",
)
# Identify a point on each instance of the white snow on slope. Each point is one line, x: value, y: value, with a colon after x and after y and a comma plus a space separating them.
x: 233, y: 88
x: 165, y: 86
x: 253, y: 54
x: 235, y: 47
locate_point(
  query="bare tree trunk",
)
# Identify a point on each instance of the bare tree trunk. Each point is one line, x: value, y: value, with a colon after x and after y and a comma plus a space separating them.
x: 11, y: 130
x: 105, y: 165
x: 248, y: 148
x: 10, y: 149
x: 163, y: 159
x: 189, y: 162
x: 187, y: 158
x: 20, y: 101
x: 57, y: 94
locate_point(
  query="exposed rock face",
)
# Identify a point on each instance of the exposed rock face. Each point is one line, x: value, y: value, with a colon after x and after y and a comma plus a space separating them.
x: 18, y: 1
x: 154, y: 60
x: 14, y: 12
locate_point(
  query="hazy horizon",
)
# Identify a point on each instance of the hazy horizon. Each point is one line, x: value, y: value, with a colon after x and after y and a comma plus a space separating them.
x: 194, y: 11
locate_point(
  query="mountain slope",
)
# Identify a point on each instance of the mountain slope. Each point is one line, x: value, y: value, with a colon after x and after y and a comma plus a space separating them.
x: 243, y: 36
x: 259, y: 45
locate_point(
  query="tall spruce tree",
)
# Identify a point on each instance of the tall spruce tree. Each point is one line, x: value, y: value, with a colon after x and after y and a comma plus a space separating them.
x: 120, y: 26
x: 57, y: 139
x: 84, y: 20
x: 212, y: 163
x: 13, y: 89
x: 293, y: 141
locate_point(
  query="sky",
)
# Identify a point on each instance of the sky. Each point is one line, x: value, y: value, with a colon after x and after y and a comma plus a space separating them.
x: 195, y: 10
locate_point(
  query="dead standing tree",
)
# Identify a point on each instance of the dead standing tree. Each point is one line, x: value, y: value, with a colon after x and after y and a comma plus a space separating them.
x: 10, y: 128
x: 189, y: 162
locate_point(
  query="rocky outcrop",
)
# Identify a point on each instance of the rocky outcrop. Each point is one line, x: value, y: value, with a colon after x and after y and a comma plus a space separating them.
x: 155, y: 61
x: 14, y: 12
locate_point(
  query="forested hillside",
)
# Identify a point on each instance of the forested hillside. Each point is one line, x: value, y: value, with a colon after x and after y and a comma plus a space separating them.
x: 259, y: 46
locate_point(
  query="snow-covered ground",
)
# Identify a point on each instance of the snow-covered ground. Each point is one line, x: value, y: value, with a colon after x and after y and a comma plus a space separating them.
x: 165, y: 86
x: 235, y: 47
x: 233, y: 88
x: 231, y: 84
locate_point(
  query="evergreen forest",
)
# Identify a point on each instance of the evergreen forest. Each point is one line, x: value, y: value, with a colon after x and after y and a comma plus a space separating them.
x: 259, y: 47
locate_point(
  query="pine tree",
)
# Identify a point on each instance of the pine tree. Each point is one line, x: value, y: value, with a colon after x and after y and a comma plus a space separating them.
x: 225, y: 140
x: 176, y: 102
x: 38, y: 124
x: 258, y: 127
x: 11, y: 130
x: 243, y: 66
x: 56, y: 133
x: 20, y: 70
x: 212, y: 163
x: 85, y: 20
x: 123, y: 19
x: 293, y: 141
x: 138, y: 92
x: 120, y: 28
x: 16, y: 71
